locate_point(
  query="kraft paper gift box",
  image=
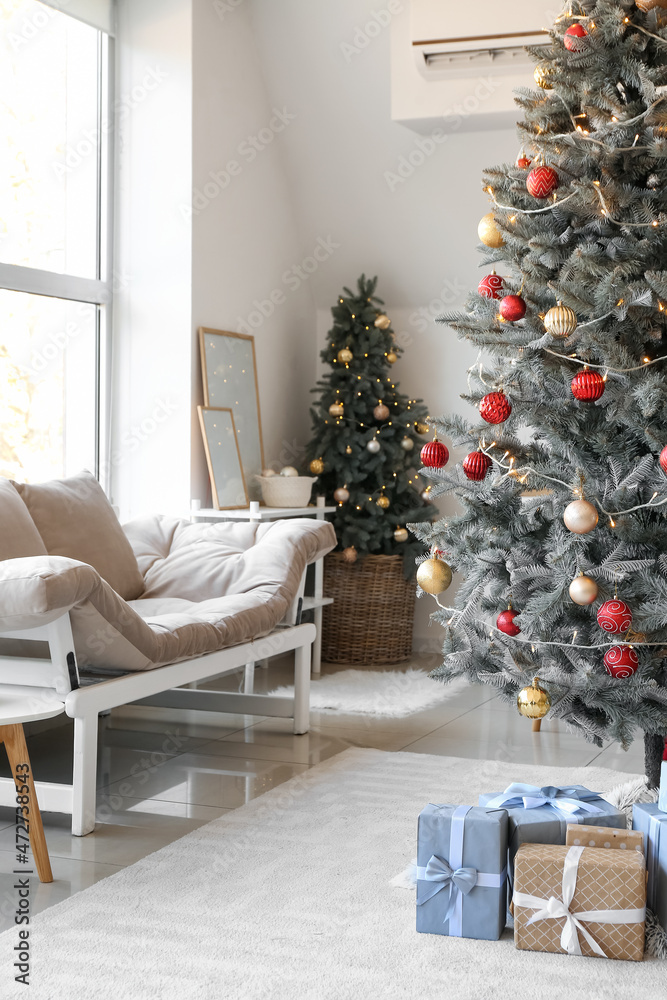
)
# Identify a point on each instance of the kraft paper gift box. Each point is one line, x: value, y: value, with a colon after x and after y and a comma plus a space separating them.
x: 461, y: 871
x: 580, y: 901
x: 604, y: 837
x: 540, y: 815
x: 649, y: 818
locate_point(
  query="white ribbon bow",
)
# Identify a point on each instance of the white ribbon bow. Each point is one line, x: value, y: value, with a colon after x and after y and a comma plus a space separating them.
x: 555, y: 909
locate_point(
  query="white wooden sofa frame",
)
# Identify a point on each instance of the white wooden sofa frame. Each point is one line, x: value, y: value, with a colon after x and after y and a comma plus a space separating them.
x: 160, y: 686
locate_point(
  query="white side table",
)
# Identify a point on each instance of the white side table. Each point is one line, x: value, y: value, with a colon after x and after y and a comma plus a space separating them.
x: 17, y: 706
x: 255, y: 512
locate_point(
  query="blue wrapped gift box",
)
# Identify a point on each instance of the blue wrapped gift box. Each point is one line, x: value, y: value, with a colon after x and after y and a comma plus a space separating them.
x: 649, y: 818
x: 461, y: 871
x: 540, y: 815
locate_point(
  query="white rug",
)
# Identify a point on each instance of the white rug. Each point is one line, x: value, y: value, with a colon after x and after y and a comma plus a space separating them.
x: 391, y: 693
x: 288, y: 898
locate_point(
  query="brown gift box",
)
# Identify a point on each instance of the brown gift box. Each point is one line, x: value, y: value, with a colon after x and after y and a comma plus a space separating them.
x: 605, y: 880
x: 598, y: 836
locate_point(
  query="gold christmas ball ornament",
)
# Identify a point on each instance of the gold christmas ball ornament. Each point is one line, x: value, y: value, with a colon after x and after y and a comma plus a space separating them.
x: 401, y: 535
x: 543, y: 75
x: 533, y: 702
x: 316, y: 466
x: 580, y: 517
x: 382, y: 322
x: 350, y: 554
x: 560, y: 321
x: 289, y: 471
x: 342, y: 494
x: 345, y: 356
x: 434, y: 576
x: 383, y: 502
x: 489, y: 233
x: 583, y: 590
x: 348, y: 449
x: 421, y: 428
x: 381, y: 412
x: 336, y: 410
x: 392, y: 358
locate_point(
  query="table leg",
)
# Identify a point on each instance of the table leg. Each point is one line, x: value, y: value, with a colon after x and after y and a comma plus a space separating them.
x: 14, y: 739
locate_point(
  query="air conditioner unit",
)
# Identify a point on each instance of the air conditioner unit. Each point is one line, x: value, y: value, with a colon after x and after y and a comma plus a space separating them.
x: 457, y: 66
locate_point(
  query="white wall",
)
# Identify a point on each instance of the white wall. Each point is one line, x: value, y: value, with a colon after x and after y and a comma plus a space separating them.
x: 244, y: 237
x: 150, y: 452
x: 342, y: 154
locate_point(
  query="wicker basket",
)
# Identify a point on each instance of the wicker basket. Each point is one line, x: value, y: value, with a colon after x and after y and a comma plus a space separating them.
x: 371, y: 619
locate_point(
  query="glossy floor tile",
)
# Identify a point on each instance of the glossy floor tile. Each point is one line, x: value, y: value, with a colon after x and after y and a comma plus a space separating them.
x: 162, y: 773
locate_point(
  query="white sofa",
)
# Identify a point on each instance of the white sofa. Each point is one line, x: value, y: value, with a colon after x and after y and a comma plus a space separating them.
x: 133, y: 614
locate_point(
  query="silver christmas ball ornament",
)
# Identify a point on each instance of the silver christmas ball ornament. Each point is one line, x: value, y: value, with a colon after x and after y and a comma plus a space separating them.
x: 583, y: 590
x: 373, y: 446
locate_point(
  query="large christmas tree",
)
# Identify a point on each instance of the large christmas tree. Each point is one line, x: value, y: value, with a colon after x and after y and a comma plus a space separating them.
x: 563, y: 498
x: 366, y: 434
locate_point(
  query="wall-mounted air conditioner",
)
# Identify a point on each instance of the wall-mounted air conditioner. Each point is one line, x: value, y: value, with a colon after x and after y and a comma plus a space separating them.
x: 457, y: 65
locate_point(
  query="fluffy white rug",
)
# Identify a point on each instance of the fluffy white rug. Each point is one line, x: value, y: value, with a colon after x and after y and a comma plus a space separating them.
x: 392, y: 693
x: 289, y: 897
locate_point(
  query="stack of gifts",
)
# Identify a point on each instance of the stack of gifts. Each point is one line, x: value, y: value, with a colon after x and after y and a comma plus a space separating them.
x: 576, y: 875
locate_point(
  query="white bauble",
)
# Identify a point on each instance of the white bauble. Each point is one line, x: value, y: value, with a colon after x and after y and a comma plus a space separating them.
x: 341, y: 495
x: 289, y: 470
x: 580, y: 517
x: 583, y: 590
x: 407, y: 444
x: 373, y: 446
x: 267, y: 473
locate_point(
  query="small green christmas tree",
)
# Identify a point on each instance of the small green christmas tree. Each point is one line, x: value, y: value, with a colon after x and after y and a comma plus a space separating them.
x: 366, y: 442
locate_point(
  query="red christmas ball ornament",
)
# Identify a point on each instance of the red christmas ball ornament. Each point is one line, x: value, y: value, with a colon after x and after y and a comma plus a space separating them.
x: 523, y: 163
x: 575, y: 38
x: 491, y: 286
x: 615, y: 616
x: 621, y: 661
x: 541, y: 182
x: 495, y: 407
x: 505, y: 622
x: 512, y: 308
x: 663, y: 459
x: 587, y: 386
x: 476, y: 465
x: 434, y: 454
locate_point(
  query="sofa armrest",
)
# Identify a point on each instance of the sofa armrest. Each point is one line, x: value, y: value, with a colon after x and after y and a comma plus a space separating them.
x: 38, y: 589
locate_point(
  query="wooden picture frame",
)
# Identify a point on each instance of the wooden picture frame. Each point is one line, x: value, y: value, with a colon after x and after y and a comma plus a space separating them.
x: 223, y: 457
x: 229, y: 375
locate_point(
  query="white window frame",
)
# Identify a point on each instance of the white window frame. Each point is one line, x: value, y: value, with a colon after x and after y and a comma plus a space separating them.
x: 97, y: 291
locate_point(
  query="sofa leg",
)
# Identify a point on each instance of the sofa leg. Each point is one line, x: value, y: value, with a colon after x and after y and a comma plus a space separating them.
x: 249, y: 678
x: 85, y: 773
x: 301, y: 690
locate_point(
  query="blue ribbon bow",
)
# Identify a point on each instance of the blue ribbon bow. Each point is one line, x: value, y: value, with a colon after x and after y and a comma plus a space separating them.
x: 441, y: 874
x: 566, y: 799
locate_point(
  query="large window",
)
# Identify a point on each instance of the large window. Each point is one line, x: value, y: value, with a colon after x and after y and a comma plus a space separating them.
x: 55, y: 247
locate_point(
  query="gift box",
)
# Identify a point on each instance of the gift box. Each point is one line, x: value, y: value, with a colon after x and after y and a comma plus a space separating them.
x: 580, y: 901
x: 461, y: 871
x: 649, y: 818
x: 604, y: 837
x: 540, y: 815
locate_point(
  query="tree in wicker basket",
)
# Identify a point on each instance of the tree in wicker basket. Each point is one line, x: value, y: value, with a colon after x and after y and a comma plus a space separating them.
x: 365, y: 449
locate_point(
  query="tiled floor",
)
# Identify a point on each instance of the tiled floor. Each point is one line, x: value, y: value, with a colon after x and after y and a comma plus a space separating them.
x: 162, y: 774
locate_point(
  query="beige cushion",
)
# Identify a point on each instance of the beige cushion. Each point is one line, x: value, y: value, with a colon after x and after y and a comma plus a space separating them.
x: 265, y: 563
x: 76, y: 520
x: 18, y: 534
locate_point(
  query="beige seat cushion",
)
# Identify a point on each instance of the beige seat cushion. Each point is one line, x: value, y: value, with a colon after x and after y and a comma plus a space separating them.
x: 18, y: 534
x: 75, y: 519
